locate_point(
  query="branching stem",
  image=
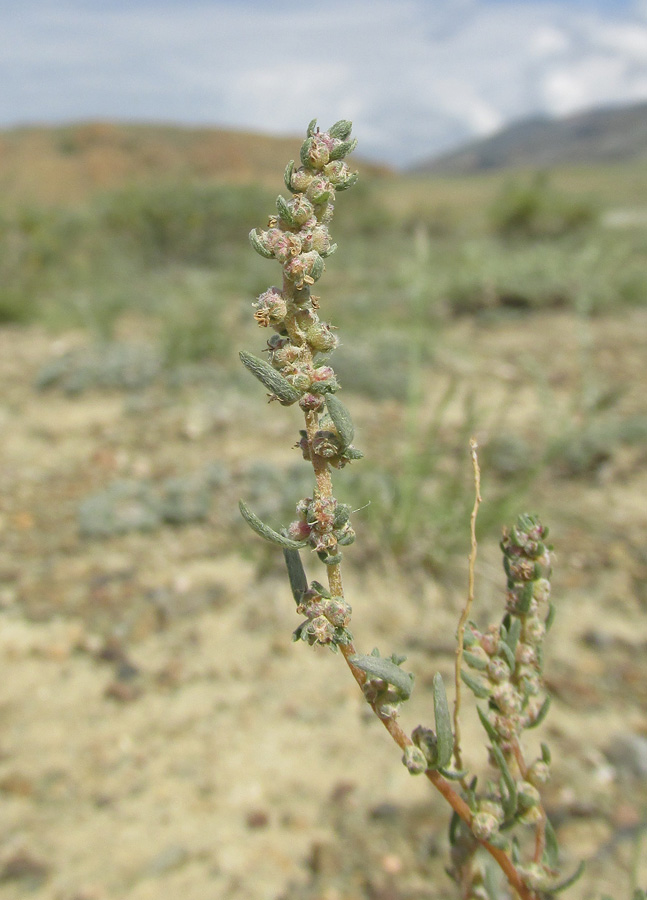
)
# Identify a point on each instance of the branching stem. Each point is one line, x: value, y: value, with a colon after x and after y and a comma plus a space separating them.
x: 460, y: 635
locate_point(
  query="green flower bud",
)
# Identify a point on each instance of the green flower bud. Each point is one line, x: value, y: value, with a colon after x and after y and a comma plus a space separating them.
x: 304, y: 269
x: 319, y: 190
x: 484, y: 826
x: 321, y: 338
x: 300, y: 179
x: 414, y: 760
x: 315, y: 152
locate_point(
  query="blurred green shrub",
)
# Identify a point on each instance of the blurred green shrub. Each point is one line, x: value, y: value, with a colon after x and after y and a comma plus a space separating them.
x: 195, y: 224
x: 534, y: 209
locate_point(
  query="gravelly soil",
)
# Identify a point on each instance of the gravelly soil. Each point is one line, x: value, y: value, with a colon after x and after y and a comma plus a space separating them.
x: 161, y: 737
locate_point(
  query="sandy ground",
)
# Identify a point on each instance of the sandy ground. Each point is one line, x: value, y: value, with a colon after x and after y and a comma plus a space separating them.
x: 160, y: 735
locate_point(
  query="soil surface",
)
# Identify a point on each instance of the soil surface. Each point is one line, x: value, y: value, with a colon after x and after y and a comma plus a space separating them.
x: 160, y: 735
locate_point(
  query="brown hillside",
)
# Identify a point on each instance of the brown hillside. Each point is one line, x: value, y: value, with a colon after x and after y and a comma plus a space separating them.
x: 67, y: 164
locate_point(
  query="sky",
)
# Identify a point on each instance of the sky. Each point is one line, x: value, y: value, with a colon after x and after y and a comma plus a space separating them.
x: 416, y: 77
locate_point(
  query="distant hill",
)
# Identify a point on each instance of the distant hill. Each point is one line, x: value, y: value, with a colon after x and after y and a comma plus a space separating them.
x: 69, y: 163
x: 597, y: 136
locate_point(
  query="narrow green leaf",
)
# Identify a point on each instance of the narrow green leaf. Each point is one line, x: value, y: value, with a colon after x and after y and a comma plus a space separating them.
x: 444, y: 735
x: 550, y: 618
x: 543, y: 712
x: 454, y: 825
x: 341, y: 419
x: 254, y: 240
x: 269, y: 377
x: 505, y: 651
x: 287, y: 176
x: 545, y: 753
x: 265, y: 531
x: 476, y: 685
x: 340, y: 130
x: 474, y: 661
x: 453, y: 776
x: 311, y: 127
x: 514, y: 633
x: 485, y: 722
x: 509, y: 803
x: 343, y: 149
x: 551, y: 850
x: 284, y: 210
x: 350, y: 181
x: 296, y: 574
x: 378, y: 667
x: 567, y: 882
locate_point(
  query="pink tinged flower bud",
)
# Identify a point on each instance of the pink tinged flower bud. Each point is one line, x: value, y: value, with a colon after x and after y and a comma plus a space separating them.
x: 507, y: 699
x: 414, y: 760
x: 316, y: 238
x: 490, y: 640
x: 300, y: 179
x: 319, y: 190
x: 321, y: 630
x: 314, y: 152
x: 484, y: 826
x: 300, y: 209
x: 271, y: 308
x: 300, y: 380
x: 311, y: 402
x: 323, y: 373
x: 498, y: 670
x: 299, y: 530
x: 337, y: 171
x: 304, y: 269
x: 285, y: 245
x: 538, y: 773
x: 284, y: 356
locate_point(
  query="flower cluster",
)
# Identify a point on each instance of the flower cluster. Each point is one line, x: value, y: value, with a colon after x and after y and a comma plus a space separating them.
x: 296, y: 369
x: 506, y: 667
x: 327, y: 618
x: 324, y: 524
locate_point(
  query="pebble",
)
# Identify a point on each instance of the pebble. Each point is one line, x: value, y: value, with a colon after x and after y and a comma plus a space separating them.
x: 628, y: 753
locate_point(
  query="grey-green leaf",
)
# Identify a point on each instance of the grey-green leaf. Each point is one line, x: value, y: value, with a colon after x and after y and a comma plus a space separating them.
x: 444, y: 736
x: 340, y: 130
x: 551, y: 849
x: 287, y: 176
x: 269, y: 377
x: 260, y: 248
x: 265, y: 531
x: 296, y: 574
x: 485, y: 722
x: 341, y: 419
x: 378, y: 667
x: 509, y: 803
x: 476, y: 685
x: 541, y: 715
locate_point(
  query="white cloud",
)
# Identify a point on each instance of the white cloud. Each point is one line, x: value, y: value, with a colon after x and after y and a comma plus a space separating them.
x: 414, y: 75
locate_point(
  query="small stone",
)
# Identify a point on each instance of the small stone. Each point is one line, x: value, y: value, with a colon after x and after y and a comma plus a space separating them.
x: 628, y: 753
x: 257, y: 818
x: 23, y: 866
x: 123, y: 692
x: 171, y: 857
